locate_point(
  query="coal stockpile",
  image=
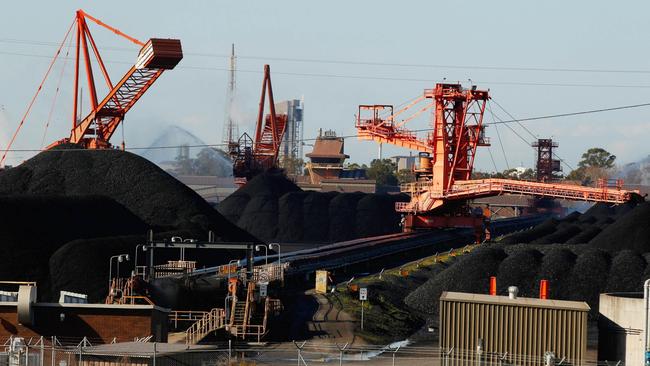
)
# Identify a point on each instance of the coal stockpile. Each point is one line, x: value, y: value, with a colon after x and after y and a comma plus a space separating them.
x: 606, y: 226
x: 630, y: 231
x: 89, y: 200
x: 315, y: 216
x: 574, y: 272
x: 564, y: 232
x: 82, y: 265
x: 585, y: 235
x: 589, y: 277
x: 626, y: 273
x: 272, y: 208
x: 34, y: 227
x: 290, y: 217
x: 545, y: 228
x: 376, y: 215
x: 151, y: 194
x: 255, y: 206
x: 470, y: 273
x: 556, y: 268
x: 343, y: 216
x: 520, y: 268
x: 260, y: 217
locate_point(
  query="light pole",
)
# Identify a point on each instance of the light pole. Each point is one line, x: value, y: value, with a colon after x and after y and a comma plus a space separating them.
x: 266, y: 252
x: 120, y: 258
x: 236, y: 263
x: 279, y: 251
x: 144, y: 249
x: 226, y: 309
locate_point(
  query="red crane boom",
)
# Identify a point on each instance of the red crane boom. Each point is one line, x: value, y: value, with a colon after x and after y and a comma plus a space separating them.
x: 95, y: 130
x: 251, y: 157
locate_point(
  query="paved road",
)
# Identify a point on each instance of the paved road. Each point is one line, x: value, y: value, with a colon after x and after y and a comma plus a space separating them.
x: 330, y: 325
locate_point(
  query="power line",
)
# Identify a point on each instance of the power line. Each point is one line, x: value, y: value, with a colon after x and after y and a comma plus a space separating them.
x: 372, y: 63
x: 496, y: 128
x: 366, y: 77
x: 499, y: 121
x: 529, y: 132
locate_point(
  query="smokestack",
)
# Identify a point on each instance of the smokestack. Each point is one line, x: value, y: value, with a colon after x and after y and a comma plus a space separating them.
x: 493, y: 286
x: 512, y: 292
x: 543, y: 289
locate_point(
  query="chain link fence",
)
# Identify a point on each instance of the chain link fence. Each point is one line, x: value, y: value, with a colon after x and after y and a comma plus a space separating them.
x: 55, y: 352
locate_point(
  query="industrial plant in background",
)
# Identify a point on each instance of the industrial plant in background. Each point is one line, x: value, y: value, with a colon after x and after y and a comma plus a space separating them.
x: 278, y: 136
x: 326, y: 169
x: 547, y: 167
x: 291, y: 147
x: 253, y: 155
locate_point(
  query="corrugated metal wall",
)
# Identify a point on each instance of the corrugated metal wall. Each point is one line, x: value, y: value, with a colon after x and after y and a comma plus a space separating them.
x: 524, y: 332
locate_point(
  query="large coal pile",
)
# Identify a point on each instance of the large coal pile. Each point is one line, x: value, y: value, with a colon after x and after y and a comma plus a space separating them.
x: 520, y: 267
x: 631, y: 231
x: 574, y: 272
x: 605, y: 226
x: 274, y: 209
x: 556, y: 268
x: 34, y: 227
x: 140, y: 186
x: 101, y: 203
x: 471, y: 273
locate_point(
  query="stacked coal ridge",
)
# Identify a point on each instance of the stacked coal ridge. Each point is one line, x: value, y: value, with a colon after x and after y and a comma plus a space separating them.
x: 66, y: 211
x: 271, y: 207
x: 606, y: 249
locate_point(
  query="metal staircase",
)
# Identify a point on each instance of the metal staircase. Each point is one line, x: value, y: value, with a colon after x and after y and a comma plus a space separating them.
x: 210, y: 322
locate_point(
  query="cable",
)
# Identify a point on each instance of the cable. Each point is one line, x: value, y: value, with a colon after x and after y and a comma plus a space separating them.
x: 500, y: 121
x: 364, y: 77
x: 56, y: 94
x: 367, y: 63
x: 511, y: 116
x: 511, y: 129
x: 492, y: 158
x: 496, y: 128
x: 31, y: 103
x: 534, y: 136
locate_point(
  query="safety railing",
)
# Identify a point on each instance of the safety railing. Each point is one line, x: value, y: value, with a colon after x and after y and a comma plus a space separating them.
x: 182, y: 316
x: 174, y: 268
x: 209, y: 322
x: 269, y: 272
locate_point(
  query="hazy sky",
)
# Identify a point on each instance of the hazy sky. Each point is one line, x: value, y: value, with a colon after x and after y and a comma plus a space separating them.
x: 485, y: 41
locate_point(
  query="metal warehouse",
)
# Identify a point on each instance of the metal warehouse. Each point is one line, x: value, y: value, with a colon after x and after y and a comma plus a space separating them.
x: 519, y: 330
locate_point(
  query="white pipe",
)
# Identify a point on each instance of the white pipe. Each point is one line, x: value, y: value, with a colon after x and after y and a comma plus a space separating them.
x: 646, y: 301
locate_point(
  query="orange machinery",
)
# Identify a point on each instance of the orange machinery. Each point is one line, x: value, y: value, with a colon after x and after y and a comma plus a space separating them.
x: 250, y: 157
x: 443, y: 187
x: 95, y: 129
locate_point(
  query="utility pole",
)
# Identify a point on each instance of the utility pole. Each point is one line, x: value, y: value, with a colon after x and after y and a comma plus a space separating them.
x: 230, y: 129
x: 363, y: 296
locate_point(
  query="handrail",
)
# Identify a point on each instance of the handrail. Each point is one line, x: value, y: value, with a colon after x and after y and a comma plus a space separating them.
x: 493, y: 186
x: 211, y: 321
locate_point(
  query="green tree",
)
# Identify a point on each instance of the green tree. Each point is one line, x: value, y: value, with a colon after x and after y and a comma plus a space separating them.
x: 206, y: 162
x: 383, y: 172
x: 528, y: 174
x: 355, y: 166
x: 596, y: 163
x: 597, y: 157
x: 292, y: 165
x: 405, y: 176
